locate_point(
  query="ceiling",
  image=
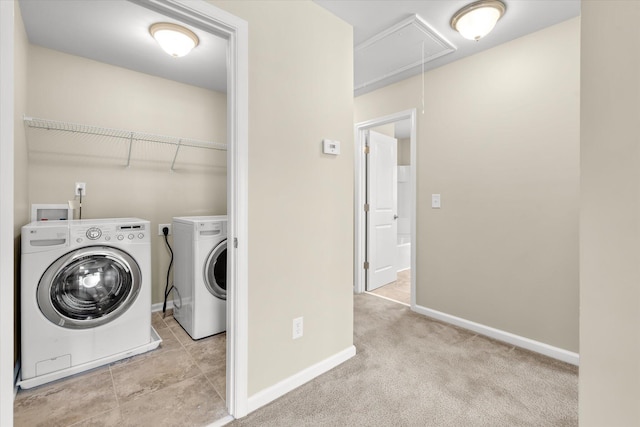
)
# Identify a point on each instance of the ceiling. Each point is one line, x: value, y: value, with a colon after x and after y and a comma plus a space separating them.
x: 117, y: 32
x: 393, y: 39
x: 385, y: 55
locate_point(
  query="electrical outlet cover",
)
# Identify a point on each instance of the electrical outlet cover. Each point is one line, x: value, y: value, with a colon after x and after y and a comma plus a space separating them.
x: 161, y: 226
x: 83, y: 186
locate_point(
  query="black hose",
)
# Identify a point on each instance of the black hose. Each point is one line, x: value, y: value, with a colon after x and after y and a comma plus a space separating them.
x: 167, y: 289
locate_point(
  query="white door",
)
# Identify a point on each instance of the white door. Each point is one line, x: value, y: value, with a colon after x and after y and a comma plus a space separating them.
x: 382, y: 196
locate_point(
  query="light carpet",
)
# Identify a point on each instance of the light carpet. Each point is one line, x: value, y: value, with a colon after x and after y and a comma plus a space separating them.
x: 413, y: 371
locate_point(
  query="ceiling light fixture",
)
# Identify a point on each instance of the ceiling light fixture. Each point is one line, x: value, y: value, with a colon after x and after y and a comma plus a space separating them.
x: 174, y: 39
x: 476, y: 20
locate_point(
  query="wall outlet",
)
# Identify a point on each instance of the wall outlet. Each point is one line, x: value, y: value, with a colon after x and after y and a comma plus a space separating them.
x: 297, y: 327
x: 81, y: 186
x: 161, y: 226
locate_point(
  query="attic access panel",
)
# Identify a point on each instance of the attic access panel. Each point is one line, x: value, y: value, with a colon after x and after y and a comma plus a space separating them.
x: 398, y: 49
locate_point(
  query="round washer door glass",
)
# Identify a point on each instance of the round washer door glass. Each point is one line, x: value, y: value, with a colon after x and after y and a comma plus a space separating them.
x: 89, y: 287
x: 215, y: 271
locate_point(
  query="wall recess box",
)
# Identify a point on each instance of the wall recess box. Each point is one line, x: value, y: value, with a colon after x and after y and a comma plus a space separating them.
x: 46, y: 212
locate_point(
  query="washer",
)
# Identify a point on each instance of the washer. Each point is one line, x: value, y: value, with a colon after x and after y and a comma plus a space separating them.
x: 200, y: 274
x: 85, y: 296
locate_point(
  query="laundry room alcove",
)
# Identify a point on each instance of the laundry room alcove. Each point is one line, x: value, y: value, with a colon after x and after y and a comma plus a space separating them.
x: 60, y: 140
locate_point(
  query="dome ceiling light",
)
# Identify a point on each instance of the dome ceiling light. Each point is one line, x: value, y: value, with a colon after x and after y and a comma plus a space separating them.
x: 174, y: 39
x: 476, y: 20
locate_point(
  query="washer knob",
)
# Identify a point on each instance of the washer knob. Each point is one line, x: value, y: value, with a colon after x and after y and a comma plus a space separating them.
x: 120, y: 237
x: 130, y: 236
x: 141, y: 236
x: 94, y: 233
x: 107, y: 238
x: 79, y: 240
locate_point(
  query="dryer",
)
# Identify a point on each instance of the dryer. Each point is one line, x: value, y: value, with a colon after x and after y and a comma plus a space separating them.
x: 200, y: 274
x: 85, y: 296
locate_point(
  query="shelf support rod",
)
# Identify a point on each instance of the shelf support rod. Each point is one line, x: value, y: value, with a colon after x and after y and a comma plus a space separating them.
x: 175, y: 156
x: 130, y: 145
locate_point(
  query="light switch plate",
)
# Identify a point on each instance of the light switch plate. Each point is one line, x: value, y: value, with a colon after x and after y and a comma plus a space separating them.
x: 435, y: 201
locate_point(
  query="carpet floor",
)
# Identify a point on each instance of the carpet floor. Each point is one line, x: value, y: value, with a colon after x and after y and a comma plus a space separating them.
x: 413, y: 371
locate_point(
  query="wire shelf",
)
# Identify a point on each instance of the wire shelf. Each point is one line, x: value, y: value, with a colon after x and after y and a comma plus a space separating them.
x: 128, y: 135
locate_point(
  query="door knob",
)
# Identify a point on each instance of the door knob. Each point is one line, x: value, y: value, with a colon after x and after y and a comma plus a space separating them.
x: 395, y: 217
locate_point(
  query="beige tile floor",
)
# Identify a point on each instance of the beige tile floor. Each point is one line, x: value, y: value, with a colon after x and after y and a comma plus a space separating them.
x: 400, y: 290
x: 181, y: 383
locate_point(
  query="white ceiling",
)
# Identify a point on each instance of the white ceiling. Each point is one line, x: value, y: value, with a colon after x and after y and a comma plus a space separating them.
x: 117, y: 32
x: 391, y: 59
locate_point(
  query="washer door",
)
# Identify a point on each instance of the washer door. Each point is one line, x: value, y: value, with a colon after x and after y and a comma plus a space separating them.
x: 215, y: 271
x: 89, y: 287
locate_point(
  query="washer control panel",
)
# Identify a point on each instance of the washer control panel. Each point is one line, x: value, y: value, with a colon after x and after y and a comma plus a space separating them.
x: 127, y: 233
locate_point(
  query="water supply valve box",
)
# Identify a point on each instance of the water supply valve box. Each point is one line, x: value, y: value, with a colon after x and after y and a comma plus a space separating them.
x: 44, y: 212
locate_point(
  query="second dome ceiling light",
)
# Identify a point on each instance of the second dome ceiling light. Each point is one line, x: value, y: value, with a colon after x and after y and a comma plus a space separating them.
x: 174, y: 39
x: 476, y: 20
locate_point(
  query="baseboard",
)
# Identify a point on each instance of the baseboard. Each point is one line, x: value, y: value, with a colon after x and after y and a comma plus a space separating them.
x: 158, y: 306
x: 508, y: 337
x: 222, y: 421
x: 270, y: 394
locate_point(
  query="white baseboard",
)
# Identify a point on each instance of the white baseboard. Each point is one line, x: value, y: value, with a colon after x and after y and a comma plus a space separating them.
x: 222, y: 421
x: 158, y: 306
x: 270, y: 394
x: 516, y: 340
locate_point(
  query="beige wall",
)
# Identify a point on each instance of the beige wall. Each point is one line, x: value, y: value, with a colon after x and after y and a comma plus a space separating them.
x: 74, y: 89
x: 499, y: 140
x: 610, y: 215
x: 21, y: 198
x: 300, y: 201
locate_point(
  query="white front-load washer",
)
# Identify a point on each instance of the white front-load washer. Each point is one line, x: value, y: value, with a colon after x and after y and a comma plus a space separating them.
x: 200, y: 274
x: 85, y: 296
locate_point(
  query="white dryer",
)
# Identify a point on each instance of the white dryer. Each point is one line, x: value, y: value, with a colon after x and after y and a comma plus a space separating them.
x: 85, y: 296
x: 200, y: 274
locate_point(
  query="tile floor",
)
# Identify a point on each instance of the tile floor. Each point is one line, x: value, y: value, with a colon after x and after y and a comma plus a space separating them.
x: 400, y: 290
x: 181, y: 383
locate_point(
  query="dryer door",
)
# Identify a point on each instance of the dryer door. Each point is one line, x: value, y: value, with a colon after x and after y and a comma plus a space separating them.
x: 215, y: 271
x: 89, y: 287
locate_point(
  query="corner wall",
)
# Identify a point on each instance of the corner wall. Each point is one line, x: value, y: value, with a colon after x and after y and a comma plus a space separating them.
x: 300, y: 200
x: 610, y: 215
x: 499, y: 140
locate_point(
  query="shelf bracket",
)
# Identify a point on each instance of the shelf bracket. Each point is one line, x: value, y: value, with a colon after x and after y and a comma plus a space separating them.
x: 130, y: 145
x: 175, y: 156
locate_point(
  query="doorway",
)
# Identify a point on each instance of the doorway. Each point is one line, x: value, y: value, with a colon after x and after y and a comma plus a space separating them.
x: 234, y: 30
x: 403, y: 125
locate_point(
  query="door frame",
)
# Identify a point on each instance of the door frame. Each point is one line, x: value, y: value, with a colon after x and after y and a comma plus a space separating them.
x: 360, y: 231
x: 7, y: 117
x: 235, y: 30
